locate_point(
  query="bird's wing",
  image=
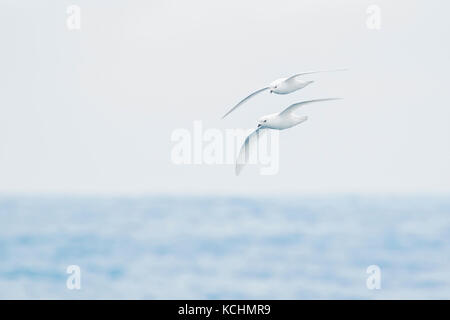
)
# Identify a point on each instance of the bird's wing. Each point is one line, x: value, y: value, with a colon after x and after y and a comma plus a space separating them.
x: 297, y: 105
x: 245, y: 149
x: 243, y: 100
x: 311, y: 72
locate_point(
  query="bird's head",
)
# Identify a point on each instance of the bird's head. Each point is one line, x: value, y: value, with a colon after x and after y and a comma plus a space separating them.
x: 275, y: 85
x: 263, y: 121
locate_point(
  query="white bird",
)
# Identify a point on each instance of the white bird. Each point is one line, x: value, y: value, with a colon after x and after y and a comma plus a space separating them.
x: 282, y: 86
x: 277, y: 121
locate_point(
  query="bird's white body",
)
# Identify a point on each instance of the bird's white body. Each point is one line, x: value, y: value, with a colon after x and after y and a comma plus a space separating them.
x: 287, y: 85
x: 280, y: 122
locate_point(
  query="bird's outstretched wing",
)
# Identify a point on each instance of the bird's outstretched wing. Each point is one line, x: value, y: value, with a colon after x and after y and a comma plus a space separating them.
x: 297, y: 105
x: 244, y: 100
x: 311, y: 72
x: 244, y: 152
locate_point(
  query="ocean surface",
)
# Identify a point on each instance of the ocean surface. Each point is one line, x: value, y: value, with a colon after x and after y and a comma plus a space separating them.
x: 225, y: 248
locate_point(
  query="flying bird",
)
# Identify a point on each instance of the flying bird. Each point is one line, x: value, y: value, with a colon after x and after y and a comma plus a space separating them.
x: 282, y: 86
x: 277, y: 121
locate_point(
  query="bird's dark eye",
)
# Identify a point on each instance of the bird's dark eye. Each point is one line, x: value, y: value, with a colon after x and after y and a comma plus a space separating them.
x: 265, y: 120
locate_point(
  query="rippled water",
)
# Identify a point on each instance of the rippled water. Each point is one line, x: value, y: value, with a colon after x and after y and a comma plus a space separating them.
x: 215, y: 247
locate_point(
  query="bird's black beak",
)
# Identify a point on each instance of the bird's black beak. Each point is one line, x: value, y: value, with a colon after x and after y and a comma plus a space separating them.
x: 259, y: 125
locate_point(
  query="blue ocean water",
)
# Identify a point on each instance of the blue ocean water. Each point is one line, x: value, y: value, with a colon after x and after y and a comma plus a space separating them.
x: 225, y: 248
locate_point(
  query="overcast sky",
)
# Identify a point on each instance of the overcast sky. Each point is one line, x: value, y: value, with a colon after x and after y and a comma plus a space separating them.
x: 93, y: 110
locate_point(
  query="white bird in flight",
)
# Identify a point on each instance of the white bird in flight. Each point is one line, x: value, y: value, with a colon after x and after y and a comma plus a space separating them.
x: 277, y: 121
x: 282, y: 86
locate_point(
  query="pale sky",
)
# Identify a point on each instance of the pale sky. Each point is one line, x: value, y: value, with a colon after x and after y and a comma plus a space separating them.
x: 93, y: 110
